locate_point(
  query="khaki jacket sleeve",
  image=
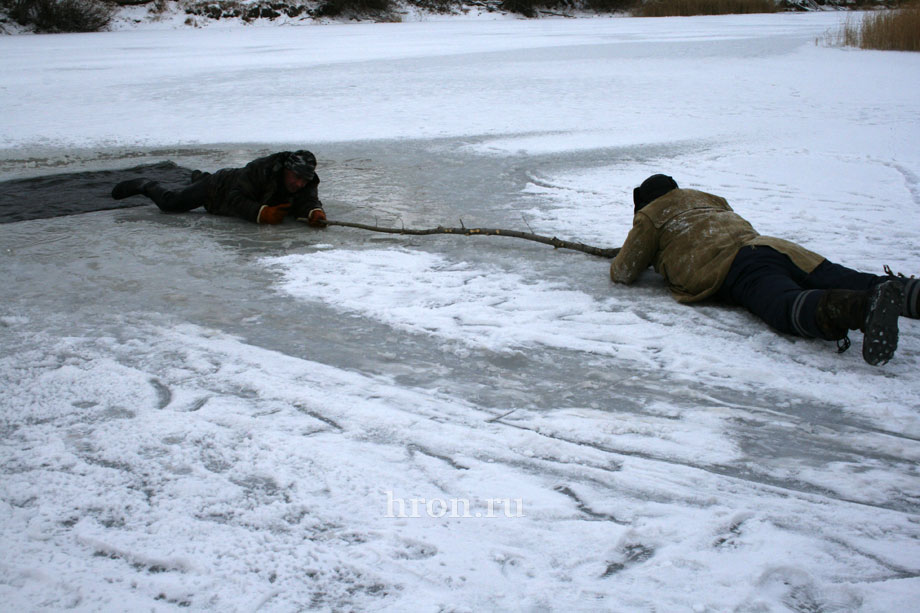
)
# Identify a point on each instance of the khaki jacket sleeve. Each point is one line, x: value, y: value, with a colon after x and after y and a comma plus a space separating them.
x: 637, y: 253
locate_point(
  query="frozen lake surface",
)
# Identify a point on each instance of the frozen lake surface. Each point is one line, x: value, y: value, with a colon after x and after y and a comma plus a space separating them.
x: 200, y: 412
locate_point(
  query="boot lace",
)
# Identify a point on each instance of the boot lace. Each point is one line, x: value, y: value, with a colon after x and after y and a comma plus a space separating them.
x: 843, y: 344
x: 899, y: 275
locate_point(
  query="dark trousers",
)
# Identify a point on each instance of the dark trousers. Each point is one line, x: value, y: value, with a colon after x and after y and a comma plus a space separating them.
x: 180, y: 200
x: 768, y: 284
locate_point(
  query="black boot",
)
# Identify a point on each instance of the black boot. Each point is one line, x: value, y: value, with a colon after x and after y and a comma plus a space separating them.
x: 839, y: 311
x: 160, y: 195
x: 198, y: 175
x: 168, y: 200
x: 875, y: 312
x: 129, y: 188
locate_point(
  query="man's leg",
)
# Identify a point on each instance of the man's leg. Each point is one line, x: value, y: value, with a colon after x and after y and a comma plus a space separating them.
x: 829, y: 275
x: 177, y: 201
x: 171, y: 201
x: 769, y: 285
x: 911, y: 306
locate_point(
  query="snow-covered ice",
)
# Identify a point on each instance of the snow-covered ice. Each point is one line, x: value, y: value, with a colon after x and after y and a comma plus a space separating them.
x: 201, y: 413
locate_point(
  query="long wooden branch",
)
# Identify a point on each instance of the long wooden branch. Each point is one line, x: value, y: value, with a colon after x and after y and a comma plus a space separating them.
x: 555, y: 242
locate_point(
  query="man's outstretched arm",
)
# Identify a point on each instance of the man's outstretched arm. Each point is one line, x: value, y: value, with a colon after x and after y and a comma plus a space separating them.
x: 637, y: 252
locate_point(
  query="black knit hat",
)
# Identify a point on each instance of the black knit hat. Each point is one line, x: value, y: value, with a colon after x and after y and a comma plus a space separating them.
x: 302, y: 163
x: 651, y: 189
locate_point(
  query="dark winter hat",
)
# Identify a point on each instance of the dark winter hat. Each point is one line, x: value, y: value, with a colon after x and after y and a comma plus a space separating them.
x: 651, y: 189
x: 302, y: 163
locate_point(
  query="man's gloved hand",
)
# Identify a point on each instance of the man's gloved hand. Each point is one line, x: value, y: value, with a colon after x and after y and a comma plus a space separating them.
x: 272, y: 214
x: 317, y: 218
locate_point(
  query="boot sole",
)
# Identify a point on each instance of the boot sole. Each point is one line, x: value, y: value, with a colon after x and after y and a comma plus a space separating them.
x: 880, y: 338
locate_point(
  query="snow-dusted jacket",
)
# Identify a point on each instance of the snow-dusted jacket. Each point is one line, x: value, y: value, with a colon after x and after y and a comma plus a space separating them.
x: 241, y: 192
x: 692, y: 238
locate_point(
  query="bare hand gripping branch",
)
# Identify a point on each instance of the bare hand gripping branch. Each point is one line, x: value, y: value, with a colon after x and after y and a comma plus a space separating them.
x: 555, y: 242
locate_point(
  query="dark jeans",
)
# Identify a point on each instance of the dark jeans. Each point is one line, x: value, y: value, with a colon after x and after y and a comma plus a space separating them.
x: 768, y: 284
x: 181, y: 200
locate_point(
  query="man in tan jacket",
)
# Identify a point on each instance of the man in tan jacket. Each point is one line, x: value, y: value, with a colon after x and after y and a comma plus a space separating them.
x: 706, y: 250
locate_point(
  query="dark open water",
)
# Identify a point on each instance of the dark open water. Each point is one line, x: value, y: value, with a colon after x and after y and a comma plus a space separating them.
x: 79, y: 192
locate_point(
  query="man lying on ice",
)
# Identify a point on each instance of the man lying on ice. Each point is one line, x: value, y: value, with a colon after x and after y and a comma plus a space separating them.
x: 706, y: 250
x: 263, y: 191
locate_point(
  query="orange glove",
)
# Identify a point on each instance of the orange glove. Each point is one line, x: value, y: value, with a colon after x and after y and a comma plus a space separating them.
x: 272, y: 214
x: 317, y: 218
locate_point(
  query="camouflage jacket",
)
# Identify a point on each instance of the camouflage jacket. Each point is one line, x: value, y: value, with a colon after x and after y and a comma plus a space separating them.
x: 241, y: 192
x: 692, y: 238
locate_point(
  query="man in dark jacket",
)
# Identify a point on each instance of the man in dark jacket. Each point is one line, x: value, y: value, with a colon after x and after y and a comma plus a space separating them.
x: 263, y: 191
x: 704, y: 249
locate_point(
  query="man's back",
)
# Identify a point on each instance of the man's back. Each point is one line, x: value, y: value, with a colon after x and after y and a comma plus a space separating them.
x: 690, y: 236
